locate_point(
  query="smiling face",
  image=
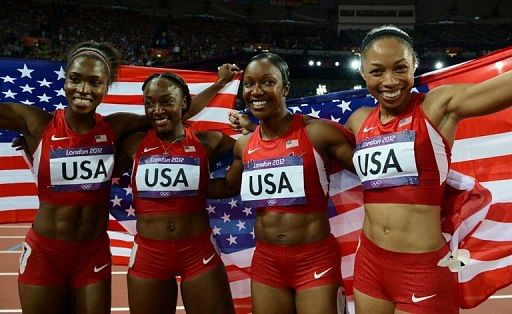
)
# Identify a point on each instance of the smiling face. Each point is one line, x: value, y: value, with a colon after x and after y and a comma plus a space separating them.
x: 163, y: 105
x: 87, y: 80
x: 263, y: 89
x: 388, y: 68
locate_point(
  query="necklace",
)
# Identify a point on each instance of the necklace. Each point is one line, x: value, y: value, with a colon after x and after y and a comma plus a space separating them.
x: 176, y: 139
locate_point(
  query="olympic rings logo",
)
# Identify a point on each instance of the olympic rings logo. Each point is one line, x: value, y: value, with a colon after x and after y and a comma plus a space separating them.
x: 376, y: 184
x: 86, y: 186
x: 165, y: 194
x: 271, y: 202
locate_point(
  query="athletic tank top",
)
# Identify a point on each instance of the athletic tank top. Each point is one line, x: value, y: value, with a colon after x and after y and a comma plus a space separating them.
x: 170, y: 177
x: 71, y: 168
x: 404, y: 161
x: 285, y: 174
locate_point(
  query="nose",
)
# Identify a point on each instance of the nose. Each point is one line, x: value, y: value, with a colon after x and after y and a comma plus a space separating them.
x: 84, y: 87
x: 390, y: 79
x: 257, y: 90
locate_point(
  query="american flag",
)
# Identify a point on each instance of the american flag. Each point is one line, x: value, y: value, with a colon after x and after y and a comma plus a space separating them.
x: 481, y: 230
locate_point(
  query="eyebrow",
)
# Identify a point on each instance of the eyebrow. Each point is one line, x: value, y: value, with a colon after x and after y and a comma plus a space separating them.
x: 164, y: 95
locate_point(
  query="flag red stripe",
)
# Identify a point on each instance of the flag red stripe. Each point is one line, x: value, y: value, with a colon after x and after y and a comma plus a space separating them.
x: 221, y: 100
x: 487, y: 169
x: 495, y: 123
x: 139, y: 74
x: 479, y: 288
x: 18, y: 189
x: 12, y: 163
x: 18, y: 215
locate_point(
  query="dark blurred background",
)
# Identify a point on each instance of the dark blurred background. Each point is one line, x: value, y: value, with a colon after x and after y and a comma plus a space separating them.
x: 318, y: 38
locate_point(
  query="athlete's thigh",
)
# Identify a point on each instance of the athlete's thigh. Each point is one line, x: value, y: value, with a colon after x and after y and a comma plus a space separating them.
x: 94, y: 298
x: 152, y: 295
x: 43, y: 299
x: 270, y: 300
x: 366, y: 304
x: 208, y: 292
x: 320, y: 299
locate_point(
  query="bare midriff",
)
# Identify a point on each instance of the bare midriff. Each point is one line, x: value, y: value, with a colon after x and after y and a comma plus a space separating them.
x: 408, y: 228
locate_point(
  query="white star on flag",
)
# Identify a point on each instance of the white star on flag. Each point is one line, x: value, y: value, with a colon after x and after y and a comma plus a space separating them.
x: 247, y: 211
x: 128, y: 190
x: 295, y: 109
x: 226, y: 217
x: 10, y: 94
x: 210, y: 209
x: 233, y: 203
x: 252, y: 233
x: 116, y: 201
x: 7, y: 78
x: 44, y: 82
x: 130, y: 211
x: 27, y: 102
x: 231, y: 239
x: 216, y: 230
x: 60, y: 73
x: 314, y: 113
x: 334, y: 119
x: 345, y: 105
x: 27, y: 88
x: 61, y: 106
x: 60, y: 92
x: 44, y: 98
x: 240, y: 225
x: 25, y: 72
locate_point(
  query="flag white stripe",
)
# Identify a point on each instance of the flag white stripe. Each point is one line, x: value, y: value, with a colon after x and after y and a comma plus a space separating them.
x: 488, y: 146
x: 208, y: 114
x: 120, y: 251
x: 241, y: 258
x: 500, y: 190
x: 212, y: 114
x: 116, y: 235
x: 241, y: 288
x: 16, y: 176
x: 476, y: 267
x: 347, y: 265
x: 347, y: 222
x: 7, y: 151
x: 490, y: 230
x: 19, y: 202
x: 135, y: 88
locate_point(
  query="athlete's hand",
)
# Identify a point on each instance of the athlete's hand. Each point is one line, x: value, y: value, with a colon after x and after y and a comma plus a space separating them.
x: 240, y: 122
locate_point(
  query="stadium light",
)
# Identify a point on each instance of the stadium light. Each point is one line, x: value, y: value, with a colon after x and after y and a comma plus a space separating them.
x: 311, y: 63
x: 439, y: 65
x: 354, y: 64
x: 318, y: 63
x: 337, y: 63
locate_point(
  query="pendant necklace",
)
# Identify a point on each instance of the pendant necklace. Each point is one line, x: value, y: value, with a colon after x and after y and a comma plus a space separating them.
x: 176, y: 139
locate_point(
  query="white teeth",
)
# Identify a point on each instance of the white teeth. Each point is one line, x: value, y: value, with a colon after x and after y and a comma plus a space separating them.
x: 259, y: 103
x: 82, y: 102
x: 391, y: 94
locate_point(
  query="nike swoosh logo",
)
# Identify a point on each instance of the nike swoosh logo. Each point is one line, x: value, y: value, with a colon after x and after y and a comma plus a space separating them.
x: 250, y: 151
x: 416, y: 300
x: 365, y: 129
x: 98, y: 269
x: 207, y: 260
x: 319, y: 275
x: 146, y: 149
x: 55, y: 138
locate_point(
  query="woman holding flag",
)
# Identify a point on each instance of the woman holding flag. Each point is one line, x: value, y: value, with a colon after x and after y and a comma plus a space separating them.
x: 402, y: 157
x: 281, y: 170
x: 65, y: 264
x: 169, y: 181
